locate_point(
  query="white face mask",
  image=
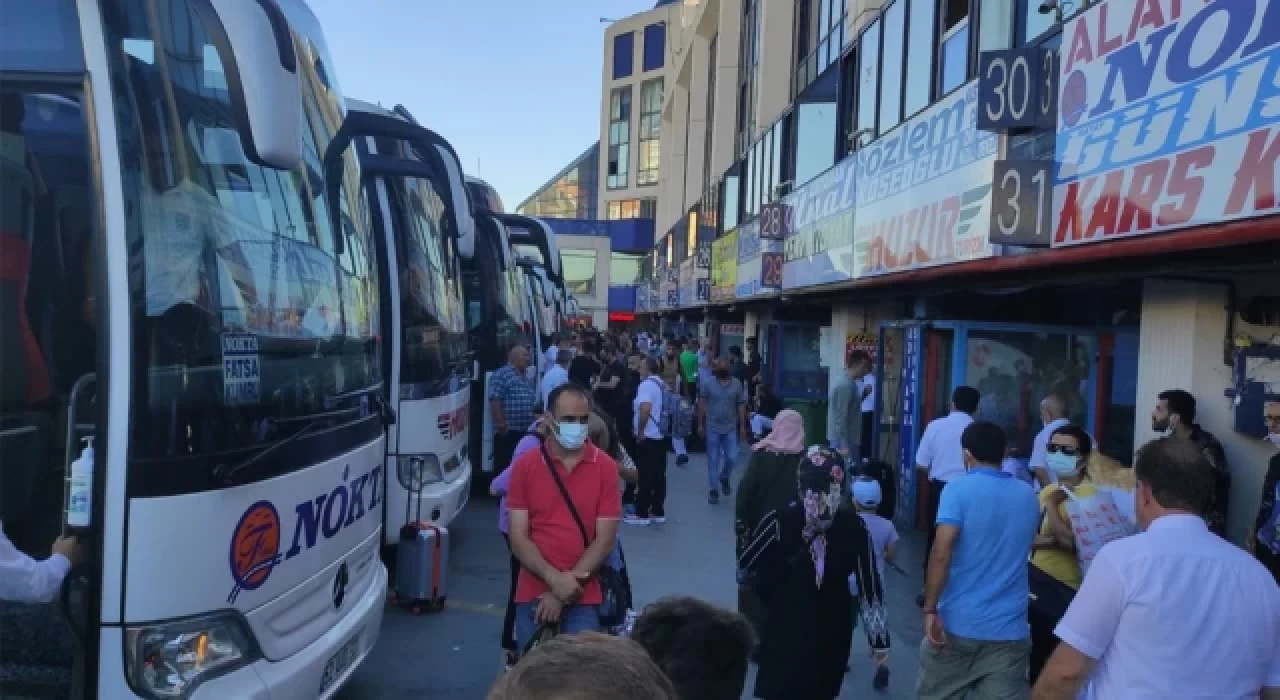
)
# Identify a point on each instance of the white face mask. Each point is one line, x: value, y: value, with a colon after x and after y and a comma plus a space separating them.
x: 571, y: 436
x: 1274, y: 438
x: 1062, y: 464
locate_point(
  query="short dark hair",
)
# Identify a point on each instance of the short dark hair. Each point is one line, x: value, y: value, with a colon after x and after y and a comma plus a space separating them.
x: 1082, y: 438
x: 652, y: 364
x: 985, y: 441
x: 857, y: 357
x: 1178, y: 472
x: 1181, y: 402
x: 966, y: 398
x: 567, y: 388
x: 702, y: 648
x: 735, y: 351
x: 585, y: 666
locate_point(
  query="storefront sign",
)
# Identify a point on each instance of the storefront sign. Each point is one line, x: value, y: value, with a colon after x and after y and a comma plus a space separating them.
x: 686, y: 283
x: 924, y: 190
x: 724, y: 266
x: 863, y: 341
x: 1167, y: 117
x: 819, y: 229
x: 907, y: 418
x: 752, y: 253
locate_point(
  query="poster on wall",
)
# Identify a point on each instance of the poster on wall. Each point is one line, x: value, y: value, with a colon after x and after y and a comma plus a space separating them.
x: 819, y: 244
x: 724, y: 266
x: 923, y: 194
x: 1167, y: 117
x: 861, y: 340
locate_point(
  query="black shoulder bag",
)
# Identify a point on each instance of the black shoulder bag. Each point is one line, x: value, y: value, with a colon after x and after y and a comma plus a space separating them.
x: 613, y: 602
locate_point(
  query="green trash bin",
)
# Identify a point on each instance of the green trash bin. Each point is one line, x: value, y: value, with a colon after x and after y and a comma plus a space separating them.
x: 814, y: 412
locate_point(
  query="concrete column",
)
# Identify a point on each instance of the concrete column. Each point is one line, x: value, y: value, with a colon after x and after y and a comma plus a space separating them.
x: 1181, y: 342
x: 776, y: 63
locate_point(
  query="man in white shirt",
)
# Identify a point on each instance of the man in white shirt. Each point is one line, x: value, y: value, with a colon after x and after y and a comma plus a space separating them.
x: 25, y: 580
x: 557, y: 375
x: 553, y: 353
x: 651, y: 452
x: 940, y: 458
x: 1172, y: 612
x: 1053, y: 415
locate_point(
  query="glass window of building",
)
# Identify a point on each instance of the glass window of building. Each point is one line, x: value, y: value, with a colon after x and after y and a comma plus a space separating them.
x: 954, y: 64
x: 995, y: 24
x: 920, y: 27
x: 619, y: 137
x: 818, y: 38
x: 624, y: 269
x: 732, y: 198
x: 1034, y: 22
x: 891, y: 59
x: 776, y: 174
x: 748, y: 70
x: 650, y: 131
x: 868, y: 77
x: 571, y: 194
x: 648, y: 208
x: 579, y: 271
x: 623, y: 54
x: 655, y: 46
x: 815, y: 131
x: 708, y: 135
x: 623, y: 209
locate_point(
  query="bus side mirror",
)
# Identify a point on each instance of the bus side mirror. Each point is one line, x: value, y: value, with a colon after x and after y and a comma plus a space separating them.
x: 255, y: 46
x: 466, y: 222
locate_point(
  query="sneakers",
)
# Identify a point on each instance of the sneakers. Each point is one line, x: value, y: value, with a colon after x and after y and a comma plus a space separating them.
x: 632, y: 519
x: 682, y: 460
x: 881, y: 680
x: 724, y: 485
x: 714, y: 498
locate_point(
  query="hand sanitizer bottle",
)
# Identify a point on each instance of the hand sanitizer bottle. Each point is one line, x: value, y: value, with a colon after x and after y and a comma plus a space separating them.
x: 80, y: 497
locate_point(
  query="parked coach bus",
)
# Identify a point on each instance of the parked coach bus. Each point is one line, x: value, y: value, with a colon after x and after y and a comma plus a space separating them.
x: 191, y: 316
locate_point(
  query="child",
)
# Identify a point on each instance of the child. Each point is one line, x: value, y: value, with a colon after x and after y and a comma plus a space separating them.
x: 866, y: 498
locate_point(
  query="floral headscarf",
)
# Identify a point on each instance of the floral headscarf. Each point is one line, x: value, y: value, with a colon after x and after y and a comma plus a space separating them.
x: 820, y: 481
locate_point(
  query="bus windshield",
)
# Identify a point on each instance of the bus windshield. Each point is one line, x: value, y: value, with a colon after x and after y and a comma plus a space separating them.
x: 250, y: 323
x: 433, y: 328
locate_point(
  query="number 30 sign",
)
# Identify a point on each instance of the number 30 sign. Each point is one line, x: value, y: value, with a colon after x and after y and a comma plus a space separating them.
x: 1018, y: 89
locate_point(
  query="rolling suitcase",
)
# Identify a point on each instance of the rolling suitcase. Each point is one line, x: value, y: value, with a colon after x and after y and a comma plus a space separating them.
x: 422, y: 563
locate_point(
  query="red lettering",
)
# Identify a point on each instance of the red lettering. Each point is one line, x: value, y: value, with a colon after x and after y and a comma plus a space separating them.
x: 1106, y: 44
x: 948, y: 213
x: 1106, y: 209
x: 1081, y: 46
x: 1183, y: 183
x: 1144, y: 189
x: 1146, y: 13
x: 1070, y: 225
x: 924, y: 233
x: 1257, y: 172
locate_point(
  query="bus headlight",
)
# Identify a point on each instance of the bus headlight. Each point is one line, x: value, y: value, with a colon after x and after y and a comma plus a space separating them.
x: 416, y: 471
x: 169, y: 660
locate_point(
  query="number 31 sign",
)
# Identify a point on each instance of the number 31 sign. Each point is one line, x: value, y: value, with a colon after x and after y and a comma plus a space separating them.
x: 1018, y: 89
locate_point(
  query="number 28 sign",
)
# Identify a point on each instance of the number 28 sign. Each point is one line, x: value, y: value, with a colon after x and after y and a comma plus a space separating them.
x: 1018, y: 89
x: 771, y: 270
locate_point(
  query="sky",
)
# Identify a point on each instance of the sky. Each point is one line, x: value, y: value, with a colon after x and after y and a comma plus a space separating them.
x: 514, y: 85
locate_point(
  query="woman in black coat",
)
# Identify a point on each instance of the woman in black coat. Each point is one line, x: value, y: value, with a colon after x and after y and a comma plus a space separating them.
x: 812, y: 564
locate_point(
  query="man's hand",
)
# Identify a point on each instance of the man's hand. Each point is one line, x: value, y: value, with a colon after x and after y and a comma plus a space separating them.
x: 548, y: 610
x: 565, y: 586
x: 68, y: 547
x: 934, y: 631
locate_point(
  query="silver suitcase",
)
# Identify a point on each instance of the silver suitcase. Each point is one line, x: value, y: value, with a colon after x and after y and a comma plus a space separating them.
x: 422, y: 565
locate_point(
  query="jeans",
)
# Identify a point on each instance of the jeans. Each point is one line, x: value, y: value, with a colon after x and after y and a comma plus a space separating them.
x: 722, y: 454
x: 573, y: 619
x: 651, y: 491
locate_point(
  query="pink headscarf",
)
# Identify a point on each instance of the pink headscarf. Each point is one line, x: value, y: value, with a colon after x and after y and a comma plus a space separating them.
x: 787, y: 437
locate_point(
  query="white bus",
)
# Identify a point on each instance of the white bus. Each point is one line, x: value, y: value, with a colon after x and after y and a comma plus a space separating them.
x: 534, y: 244
x: 180, y: 283
x: 423, y: 225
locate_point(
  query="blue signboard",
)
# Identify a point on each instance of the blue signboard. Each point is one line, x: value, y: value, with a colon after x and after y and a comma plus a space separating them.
x: 908, y: 419
x: 819, y: 229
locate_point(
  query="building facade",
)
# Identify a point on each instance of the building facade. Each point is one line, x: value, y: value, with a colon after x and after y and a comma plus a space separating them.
x: 1096, y: 217
x: 571, y: 193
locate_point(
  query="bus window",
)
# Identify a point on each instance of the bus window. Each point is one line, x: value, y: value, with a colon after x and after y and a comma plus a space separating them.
x: 247, y: 324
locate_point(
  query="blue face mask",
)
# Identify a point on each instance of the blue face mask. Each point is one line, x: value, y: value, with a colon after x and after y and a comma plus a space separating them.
x: 1062, y: 464
x: 571, y: 436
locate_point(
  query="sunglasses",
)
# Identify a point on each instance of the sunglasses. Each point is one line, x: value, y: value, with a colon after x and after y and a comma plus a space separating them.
x: 574, y: 419
x: 1064, y: 449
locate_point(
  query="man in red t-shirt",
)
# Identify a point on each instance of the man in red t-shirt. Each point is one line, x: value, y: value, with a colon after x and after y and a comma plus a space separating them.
x: 556, y: 581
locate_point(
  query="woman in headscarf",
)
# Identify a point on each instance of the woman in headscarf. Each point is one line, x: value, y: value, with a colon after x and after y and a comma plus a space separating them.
x: 769, y: 484
x: 814, y: 567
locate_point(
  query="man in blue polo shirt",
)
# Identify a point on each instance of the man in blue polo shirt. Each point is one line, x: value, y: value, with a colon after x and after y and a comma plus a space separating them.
x: 977, y: 643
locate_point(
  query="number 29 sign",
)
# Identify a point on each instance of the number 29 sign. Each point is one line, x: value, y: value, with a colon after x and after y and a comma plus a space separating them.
x: 1018, y: 89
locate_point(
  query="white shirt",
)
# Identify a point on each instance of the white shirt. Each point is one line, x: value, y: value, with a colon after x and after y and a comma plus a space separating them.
x: 940, y: 449
x: 554, y: 377
x: 869, y: 403
x: 1040, y: 448
x: 25, y: 580
x: 551, y: 354
x: 1176, y: 612
x: 650, y: 392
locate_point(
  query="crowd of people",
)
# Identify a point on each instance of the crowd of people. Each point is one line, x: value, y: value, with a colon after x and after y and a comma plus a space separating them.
x: 1065, y: 575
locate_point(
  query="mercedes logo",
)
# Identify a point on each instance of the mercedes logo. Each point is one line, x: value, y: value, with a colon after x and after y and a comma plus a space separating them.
x: 340, y: 585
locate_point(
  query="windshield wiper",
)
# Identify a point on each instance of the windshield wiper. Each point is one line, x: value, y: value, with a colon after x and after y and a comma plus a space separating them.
x: 226, y: 472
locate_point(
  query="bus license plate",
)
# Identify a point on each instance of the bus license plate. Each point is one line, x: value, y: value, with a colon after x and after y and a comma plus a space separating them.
x: 339, y: 663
